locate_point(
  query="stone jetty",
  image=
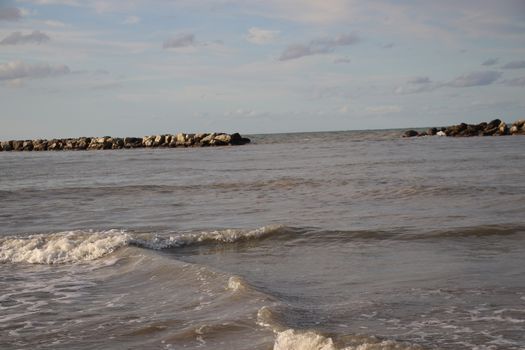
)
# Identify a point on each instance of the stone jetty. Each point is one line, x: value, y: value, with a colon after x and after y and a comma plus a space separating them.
x: 107, y: 142
x: 493, y: 128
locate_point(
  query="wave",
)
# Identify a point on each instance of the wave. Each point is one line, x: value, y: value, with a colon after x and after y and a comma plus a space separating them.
x: 309, y: 340
x: 78, y: 246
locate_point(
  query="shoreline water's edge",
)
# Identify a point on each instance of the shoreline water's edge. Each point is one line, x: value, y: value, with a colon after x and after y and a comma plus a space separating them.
x: 108, y: 142
x: 495, y: 127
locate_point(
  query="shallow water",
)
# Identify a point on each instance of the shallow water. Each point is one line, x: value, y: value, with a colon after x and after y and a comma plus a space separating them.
x: 356, y: 240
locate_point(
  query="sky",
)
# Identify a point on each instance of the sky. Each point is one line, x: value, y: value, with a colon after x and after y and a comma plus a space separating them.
x: 72, y: 68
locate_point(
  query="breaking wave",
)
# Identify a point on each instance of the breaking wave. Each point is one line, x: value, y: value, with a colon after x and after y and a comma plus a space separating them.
x: 82, y: 245
x: 77, y: 246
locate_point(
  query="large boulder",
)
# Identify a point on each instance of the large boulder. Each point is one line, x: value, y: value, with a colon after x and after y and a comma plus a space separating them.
x: 7, y: 145
x: 503, y: 129
x: 148, y: 141
x: 493, y: 124
x: 159, y: 140
x: 180, y: 139
x: 222, y: 139
x: 117, y: 143
x: 432, y: 131
x: 410, y: 133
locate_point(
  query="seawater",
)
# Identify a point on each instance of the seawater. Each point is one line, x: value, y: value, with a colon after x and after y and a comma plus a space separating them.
x: 343, y: 240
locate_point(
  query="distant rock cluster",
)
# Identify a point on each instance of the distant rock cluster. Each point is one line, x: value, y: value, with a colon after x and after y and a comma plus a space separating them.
x: 493, y: 128
x: 107, y: 142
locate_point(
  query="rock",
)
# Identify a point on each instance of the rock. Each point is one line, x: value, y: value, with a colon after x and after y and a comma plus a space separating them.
x: 503, y: 129
x: 410, y: 133
x: 493, y: 124
x: 190, y: 140
x: 55, y: 145
x: 159, y: 140
x: 180, y: 139
x: 519, y: 123
x: 148, y: 141
x: 39, y: 145
x: 222, y: 139
x: 432, y: 131
x: 514, y: 130
x: 118, y: 143
x: 107, y: 142
x: 441, y: 133
x: 7, y: 145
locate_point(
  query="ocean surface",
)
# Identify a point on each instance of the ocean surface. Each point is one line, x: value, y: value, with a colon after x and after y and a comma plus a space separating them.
x: 325, y: 241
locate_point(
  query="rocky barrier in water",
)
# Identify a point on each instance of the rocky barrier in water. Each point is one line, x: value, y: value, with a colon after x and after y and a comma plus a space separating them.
x: 107, y: 142
x: 493, y: 128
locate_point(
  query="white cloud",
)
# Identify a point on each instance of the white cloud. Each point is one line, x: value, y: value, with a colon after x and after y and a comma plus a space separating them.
x: 18, y: 69
x: 54, y: 24
x: 132, y: 20
x: 383, y: 109
x: 15, y: 83
x: 261, y: 36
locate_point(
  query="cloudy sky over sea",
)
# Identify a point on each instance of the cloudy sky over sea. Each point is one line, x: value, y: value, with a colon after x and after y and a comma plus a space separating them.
x: 72, y: 67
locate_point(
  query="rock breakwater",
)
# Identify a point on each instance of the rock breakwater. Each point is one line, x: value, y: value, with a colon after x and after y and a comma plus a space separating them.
x: 107, y: 142
x: 495, y: 127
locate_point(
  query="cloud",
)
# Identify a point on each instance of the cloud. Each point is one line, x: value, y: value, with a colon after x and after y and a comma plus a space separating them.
x: 54, y: 24
x: 514, y: 81
x: 10, y: 14
x: 425, y: 84
x: 475, y: 79
x: 131, y: 20
x: 490, y: 62
x: 383, y: 109
x: 16, y: 38
x: 182, y: 40
x: 261, y: 36
x: 18, y: 69
x: 420, y: 80
x: 318, y: 46
x: 342, y: 60
x: 388, y: 46
x: 514, y: 65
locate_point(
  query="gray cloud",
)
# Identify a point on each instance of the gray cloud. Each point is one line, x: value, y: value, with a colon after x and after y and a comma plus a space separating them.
x: 514, y: 81
x: 420, y: 80
x: 388, y: 46
x: 514, y: 65
x: 425, y: 84
x: 490, y: 62
x: 318, y: 46
x: 475, y: 79
x: 18, y: 38
x: 182, y: 40
x: 342, y: 60
x: 19, y: 69
x: 10, y: 14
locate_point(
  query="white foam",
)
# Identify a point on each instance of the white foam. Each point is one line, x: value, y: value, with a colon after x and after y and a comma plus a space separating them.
x: 75, y: 246
x: 236, y: 284
x: 295, y: 340
x: 63, y: 247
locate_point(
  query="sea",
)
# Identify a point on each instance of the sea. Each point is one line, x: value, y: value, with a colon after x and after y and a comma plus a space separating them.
x: 358, y: 240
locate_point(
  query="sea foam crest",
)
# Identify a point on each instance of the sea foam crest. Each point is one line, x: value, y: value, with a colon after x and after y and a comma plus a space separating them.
x: 62, y: 247
x: 309, y: 340
x: 76, y: 246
